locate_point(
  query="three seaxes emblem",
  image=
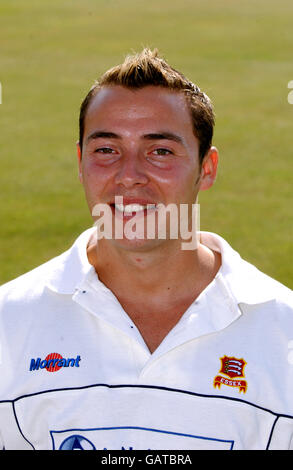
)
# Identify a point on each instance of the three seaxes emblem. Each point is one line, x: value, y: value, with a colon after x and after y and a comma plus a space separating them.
x: 234, y: 369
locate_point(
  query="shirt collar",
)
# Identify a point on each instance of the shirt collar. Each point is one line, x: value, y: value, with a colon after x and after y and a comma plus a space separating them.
x: 246, y: 284
x: 70, y: 269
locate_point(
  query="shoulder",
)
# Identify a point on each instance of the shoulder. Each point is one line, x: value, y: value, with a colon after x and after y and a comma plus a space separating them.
x: 29, y: 285
x: 61, y: 274
x: 258, y: 285
x: 247, y: 284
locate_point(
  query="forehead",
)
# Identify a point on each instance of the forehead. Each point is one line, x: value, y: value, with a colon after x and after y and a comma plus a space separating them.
x: 150, y: 106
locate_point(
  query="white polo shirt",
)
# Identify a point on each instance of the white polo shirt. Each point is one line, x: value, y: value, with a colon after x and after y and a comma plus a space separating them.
x: 75, y: 373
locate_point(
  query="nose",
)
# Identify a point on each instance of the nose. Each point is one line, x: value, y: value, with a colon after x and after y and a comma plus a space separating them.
x: 131, y: 172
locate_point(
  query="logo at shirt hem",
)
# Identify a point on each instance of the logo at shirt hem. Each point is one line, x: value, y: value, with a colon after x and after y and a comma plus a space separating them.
x: 234, y: 369
x: 54, y: 362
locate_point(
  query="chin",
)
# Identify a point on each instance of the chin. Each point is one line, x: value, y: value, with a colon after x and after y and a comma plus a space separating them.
x: 142, y: 245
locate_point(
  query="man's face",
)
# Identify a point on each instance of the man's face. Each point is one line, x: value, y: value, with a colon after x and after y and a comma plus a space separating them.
x: 139, y: 144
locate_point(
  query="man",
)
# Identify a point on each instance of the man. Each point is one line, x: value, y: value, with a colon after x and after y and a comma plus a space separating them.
x: 134, y: 341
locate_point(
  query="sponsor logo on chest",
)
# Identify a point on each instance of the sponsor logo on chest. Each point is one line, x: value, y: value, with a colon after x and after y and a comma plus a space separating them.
x: 54, y: 362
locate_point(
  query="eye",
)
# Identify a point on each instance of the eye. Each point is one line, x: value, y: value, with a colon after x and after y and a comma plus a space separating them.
x: 162, y: 151
x: 104, y: 150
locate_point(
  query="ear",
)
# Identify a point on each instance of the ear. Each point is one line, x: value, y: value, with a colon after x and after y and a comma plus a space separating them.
x: 79, y: 157
x: 209, y: 169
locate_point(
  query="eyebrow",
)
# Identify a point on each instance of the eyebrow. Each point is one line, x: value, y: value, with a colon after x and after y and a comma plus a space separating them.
x: 102, y: 134
x: 164, y: 135
x: 151, y: 136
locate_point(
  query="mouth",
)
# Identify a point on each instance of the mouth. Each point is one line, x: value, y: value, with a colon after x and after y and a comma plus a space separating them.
x: 129, y: 210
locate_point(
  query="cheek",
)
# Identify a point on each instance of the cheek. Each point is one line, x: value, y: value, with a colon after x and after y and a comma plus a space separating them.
x: 94, y: 173
x: 96, y: 181
x: 179, y: 184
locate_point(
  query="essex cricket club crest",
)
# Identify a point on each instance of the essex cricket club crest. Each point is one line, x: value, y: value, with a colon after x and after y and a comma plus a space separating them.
x: 234, y: 369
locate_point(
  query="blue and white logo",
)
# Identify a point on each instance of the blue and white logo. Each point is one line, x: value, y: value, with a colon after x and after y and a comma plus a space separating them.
x: 77, y: 442
x: 132, y: 438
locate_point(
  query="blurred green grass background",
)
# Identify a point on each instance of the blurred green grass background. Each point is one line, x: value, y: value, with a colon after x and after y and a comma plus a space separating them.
x: 240, y: 53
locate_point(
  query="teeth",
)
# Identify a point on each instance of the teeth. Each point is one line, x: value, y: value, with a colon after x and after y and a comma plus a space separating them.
x: 119, y: 207
x: 129, y: 208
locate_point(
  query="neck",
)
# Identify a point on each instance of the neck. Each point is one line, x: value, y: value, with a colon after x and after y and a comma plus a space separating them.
x: 165, y: 271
